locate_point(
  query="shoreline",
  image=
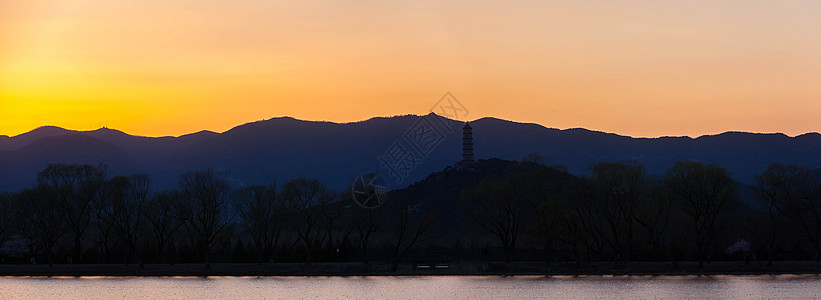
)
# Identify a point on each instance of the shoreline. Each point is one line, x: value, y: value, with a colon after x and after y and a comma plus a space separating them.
x: 359, y: 269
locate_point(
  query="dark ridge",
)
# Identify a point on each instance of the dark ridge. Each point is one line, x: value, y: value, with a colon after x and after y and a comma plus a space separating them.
x: 21, y: 140
x: 286, y: 147
x: 20, y: 167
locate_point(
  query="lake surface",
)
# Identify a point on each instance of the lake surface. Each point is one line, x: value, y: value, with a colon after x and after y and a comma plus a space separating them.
x: 416, y: 287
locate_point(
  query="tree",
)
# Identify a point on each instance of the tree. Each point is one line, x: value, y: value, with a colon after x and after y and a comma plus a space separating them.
x: 498, y: 211
x: 701, y: 191
x: 538, y: 188
x: 262, y: 216
x: 652, y: 213
x: 120, y: 208
x: 611, y: 193
x: 367, y: 222
x: 307, y: 200
x: 39, y: 218
x: 585, y: 223
x: 795, y: 192
x: 106, y: 240
x: 409, y: 226
x: 572, y: 219
x: 16, y: 246
x: 5, y: 214
x: 162, y: 211
x: 338, y: 217
x: 203, y: 209
x: 616, y: 190
x: 76, y: 186
x: 363, y: 221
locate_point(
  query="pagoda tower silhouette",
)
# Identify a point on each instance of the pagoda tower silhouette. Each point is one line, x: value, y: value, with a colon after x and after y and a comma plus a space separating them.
x: 467, y: 145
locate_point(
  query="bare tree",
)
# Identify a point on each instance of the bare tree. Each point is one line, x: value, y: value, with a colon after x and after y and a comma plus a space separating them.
x: 573, y: 231
x: 538, y: 187
x: 106, y: 239
x: 163, y: 215
x: 120, y: 209
x: 498, y: 211
x: 357, y: 219
x: 307, y: 200
x: 770, y: 186
x: 701, y: 192
x: 795, y: 192
x: 652, y: 213
x: 204, y: 200
x: 262, y: 215
x: 39, y: 218
x: 615, y: 190
x: 5, y: 214
x: 585, y: 222
x: 408, y: 227
x: 76, y: 187
x: 367, y: 222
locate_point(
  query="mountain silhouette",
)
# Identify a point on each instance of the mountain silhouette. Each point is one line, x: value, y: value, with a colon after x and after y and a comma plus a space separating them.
x: 19, y: 168
x: 285, y: 148
x: 20, y: 141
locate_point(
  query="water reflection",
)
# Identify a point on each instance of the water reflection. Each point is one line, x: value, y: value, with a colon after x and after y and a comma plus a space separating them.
x: 419, y: 287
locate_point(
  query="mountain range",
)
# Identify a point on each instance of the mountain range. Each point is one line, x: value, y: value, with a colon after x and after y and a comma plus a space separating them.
x: 335, y: 153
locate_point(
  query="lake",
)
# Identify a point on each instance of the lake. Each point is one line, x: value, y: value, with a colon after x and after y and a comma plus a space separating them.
x: 416, y: 287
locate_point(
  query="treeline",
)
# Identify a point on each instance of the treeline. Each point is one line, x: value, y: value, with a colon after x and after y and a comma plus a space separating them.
x: 620, y: 213
x: 76, y: 214
x: 525, y: 211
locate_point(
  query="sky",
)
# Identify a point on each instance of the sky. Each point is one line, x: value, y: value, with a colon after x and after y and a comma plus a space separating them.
x: 639, y: 68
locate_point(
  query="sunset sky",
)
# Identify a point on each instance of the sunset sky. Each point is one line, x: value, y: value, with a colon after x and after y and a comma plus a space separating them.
x: 639, y: 68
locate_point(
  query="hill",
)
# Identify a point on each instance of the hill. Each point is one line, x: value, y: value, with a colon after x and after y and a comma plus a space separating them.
x: 285, y: 148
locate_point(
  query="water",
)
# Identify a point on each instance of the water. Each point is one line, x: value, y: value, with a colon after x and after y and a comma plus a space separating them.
x: 420, y: 287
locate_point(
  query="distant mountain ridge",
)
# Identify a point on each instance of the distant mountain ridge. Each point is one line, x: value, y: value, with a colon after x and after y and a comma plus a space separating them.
x: 284, y: 148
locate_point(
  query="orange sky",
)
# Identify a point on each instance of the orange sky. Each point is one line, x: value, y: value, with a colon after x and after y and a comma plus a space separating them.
x: 640, y: 68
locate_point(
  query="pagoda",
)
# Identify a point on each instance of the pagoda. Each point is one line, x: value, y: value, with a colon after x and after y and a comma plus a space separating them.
x: 467, y: 145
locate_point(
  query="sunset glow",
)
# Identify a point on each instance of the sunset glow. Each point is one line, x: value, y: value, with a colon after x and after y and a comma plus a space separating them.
x: 638, y: 68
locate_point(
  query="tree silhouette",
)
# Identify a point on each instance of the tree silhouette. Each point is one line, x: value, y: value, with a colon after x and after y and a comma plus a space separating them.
x: 367, y: 222
x: 307, y: 200
x: 39, y: 218
x: 204, y: 209
x: 262, y: 215
x: 701, y: 191
x: 617, y: 212
x: 5, y: 215
x: 795, y: 192
x: 162, y: 211
x: 409, y: 227
x: 616, y: 189
x: 652, y: 214
x: 538, y: 187
x: 120, y: 208
x: 499, y: 212
x: 76, y: 186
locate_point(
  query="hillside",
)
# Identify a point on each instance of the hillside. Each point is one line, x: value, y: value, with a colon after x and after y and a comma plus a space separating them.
x: 285, y: 148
